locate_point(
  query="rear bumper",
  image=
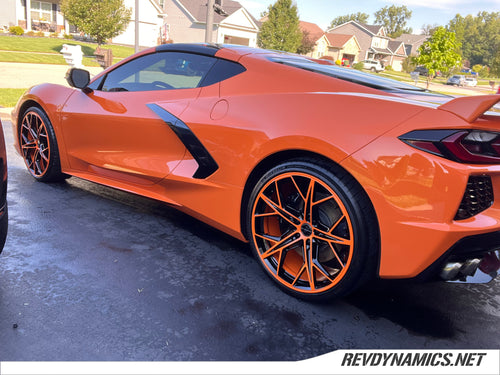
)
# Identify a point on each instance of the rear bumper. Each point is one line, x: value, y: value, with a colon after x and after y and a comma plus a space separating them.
x: 472, y: 259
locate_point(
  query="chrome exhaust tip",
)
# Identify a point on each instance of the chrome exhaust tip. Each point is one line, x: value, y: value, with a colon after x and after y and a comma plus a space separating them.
x: 450, y: 271
x: 459, y: 270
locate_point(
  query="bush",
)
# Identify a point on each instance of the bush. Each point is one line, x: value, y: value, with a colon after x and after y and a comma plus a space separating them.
x: 40, y: 33
x: 389, y: 68
x: 68, y: 36
x: 16, y: 30
x: 30, y: 33
x: 358, y: 66
x: 54, y: 35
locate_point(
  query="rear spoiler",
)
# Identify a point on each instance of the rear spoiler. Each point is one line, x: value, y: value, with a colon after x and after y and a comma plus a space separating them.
x: 470, y: 108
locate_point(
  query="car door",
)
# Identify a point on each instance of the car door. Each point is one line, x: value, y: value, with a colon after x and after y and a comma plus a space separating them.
x: 110, y: 131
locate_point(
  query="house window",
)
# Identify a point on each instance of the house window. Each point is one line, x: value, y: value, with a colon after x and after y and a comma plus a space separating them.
x: 41, y: 11
x: 162, y: 3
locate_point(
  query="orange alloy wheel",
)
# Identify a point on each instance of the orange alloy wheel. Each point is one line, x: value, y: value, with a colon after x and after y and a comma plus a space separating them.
x: 39, y: 146
x: 303, y: 233
x: 35, y: 144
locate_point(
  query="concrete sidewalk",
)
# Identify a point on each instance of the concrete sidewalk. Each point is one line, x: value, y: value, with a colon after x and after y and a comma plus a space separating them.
x: 22, y: 76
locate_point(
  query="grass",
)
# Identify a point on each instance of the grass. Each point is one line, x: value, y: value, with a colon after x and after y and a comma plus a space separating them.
x: 54, y: 45
x: 40, y: 58
x: 9, y: 97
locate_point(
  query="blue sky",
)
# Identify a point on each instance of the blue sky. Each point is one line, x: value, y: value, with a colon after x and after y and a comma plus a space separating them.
x: 322, y: 12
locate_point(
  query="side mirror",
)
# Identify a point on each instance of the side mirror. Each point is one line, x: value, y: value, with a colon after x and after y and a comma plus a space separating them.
x: 78, y: 78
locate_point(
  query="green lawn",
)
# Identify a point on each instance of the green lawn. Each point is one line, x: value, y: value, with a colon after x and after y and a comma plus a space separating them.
x: 54, y: 45
x: 9, y: 97
x: 40, y: 58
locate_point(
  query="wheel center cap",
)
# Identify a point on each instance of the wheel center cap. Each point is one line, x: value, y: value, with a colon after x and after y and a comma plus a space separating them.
x: 306, y: 229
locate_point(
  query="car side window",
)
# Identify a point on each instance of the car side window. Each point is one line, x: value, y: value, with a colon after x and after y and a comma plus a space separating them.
x: 159, y: 71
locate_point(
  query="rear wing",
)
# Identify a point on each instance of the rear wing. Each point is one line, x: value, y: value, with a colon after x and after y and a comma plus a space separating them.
x: 470, y: 108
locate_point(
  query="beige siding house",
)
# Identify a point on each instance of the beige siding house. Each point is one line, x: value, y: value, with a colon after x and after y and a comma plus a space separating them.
x: 186, y: 23
x: 374, y: 43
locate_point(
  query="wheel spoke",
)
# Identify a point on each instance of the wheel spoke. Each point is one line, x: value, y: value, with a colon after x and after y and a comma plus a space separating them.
x: 292, y: 219
x: 280, y: 244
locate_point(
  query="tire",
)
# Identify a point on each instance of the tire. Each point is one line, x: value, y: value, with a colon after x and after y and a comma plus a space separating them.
x: 373, y: 69
x: 313, y: 229
x: 38, y: 144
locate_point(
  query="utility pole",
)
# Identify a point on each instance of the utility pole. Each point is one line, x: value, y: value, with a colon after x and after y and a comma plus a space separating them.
x: 210, y: 21
x: 136, y: 46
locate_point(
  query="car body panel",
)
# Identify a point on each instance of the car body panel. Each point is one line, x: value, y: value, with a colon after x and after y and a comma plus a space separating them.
x: 272, y: 109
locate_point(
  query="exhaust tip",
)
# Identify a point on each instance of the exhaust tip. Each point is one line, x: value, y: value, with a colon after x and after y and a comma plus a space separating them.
x: 450, y: 270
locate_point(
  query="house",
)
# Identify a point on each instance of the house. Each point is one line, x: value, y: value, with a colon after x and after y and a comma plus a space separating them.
x: 412, y: 42
x: 46, y: 16
x: 186, y: 22
x: 334, y: 46
x: 41, y: 15
x: 151, y: 21
x: 337, y: 47
x: 374, y: 43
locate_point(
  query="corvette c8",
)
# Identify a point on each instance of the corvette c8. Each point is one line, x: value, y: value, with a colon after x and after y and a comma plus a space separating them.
x: 333, y: 176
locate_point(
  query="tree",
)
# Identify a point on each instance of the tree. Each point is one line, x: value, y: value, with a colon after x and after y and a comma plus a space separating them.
x: 307, y: 44
x: 281, y: 30
x: 100, y: 19
x: 394, y: 19
x: 439, y: 53
x: 479, y: 37
x: 359, y: 17
x: 428, y: 29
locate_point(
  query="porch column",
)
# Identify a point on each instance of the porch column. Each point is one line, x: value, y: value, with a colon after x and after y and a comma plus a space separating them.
x: 28, y: 15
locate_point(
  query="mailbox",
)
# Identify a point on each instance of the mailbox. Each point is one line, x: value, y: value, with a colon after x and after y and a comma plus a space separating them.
x: 73, y: 55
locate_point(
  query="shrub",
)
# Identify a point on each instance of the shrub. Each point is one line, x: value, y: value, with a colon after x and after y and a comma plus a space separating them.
x: 68, y: 36
x: 54, y: 35
x: 40, y: 33
x: 389, y: 68
x: 30, y: 33
x: 16, y: 30
x: 359, y: 65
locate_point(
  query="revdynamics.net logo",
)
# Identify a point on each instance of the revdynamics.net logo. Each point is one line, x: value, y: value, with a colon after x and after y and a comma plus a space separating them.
x: 414, y: 359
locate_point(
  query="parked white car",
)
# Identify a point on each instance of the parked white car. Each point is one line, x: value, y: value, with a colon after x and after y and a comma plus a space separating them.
x: 373, y: 65
x: 470, y: 81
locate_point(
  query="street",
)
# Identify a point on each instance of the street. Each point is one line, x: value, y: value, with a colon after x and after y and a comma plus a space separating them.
x: 91, y: 273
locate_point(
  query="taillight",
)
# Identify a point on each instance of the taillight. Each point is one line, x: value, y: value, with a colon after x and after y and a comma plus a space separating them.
x: 464, y: 146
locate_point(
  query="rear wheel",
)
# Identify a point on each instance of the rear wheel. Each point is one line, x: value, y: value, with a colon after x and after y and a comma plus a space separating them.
x: 313, y: 229
x: 39, y: 146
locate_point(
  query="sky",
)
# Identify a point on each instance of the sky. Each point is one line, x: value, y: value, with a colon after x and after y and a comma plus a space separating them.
x: 322, y: 12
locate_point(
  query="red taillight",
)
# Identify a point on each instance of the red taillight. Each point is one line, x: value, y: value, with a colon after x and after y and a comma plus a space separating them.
x: 464, y: 146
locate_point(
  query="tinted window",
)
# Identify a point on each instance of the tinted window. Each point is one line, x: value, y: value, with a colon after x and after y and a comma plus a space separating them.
x: 221, y: 71
x: 159, y: 71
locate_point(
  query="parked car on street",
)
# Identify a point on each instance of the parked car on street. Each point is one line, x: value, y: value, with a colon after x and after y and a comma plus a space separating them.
x: 399, y: 183
x: 470, y: 81
x: 4, y: 217
x: 373, y: 65
x: 456, y: 80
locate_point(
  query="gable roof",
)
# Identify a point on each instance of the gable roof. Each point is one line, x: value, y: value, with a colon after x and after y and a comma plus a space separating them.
x: 412, y: 38
x: 338, y: 40
x: 197, y: 9
x: 372, y: 30
x: 315, y: 32
x: 395, y: 45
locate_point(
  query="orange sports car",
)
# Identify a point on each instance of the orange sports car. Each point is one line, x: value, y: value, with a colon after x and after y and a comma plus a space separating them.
x: 333, y: 176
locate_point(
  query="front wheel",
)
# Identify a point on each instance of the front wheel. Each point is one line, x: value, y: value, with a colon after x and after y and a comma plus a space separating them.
x: 313, y: 229
x: 38, y: 145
